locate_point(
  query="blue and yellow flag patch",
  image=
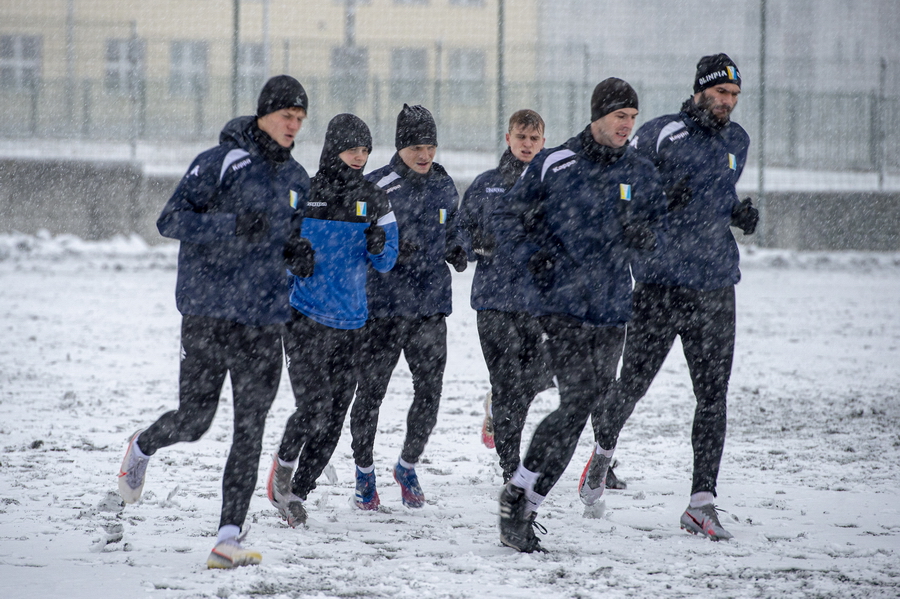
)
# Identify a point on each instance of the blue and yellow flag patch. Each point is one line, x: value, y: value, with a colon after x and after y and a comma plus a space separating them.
x: 362, y: 209
x: 442, y: 215
x: 294, y: 198
x: 732, y: 162
x: 625, y: 192
x: 732, y: 73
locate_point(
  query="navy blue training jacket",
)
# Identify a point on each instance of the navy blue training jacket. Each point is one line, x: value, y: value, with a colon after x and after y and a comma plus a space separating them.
x: 700, y: 251
x: 574, y: 208
x: 221, y: 275
x: 425, y: 207
x: 500, y: 282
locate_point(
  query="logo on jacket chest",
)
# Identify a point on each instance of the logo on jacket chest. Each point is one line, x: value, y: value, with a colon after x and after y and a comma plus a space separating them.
x: 563, y: 166
x: 239, y: 165
x: 678, y: 136
x: 625, y: 192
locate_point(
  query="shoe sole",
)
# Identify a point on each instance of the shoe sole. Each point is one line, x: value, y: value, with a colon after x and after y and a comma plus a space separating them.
x: 487, y: 429
x: 590, y: 497
x: 693, y: 527
x: 217, y: 561
x: 128, y: 494
x: 487, y: 439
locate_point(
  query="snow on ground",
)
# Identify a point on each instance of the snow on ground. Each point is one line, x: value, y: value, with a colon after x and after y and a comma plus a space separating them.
x: 809, y: 481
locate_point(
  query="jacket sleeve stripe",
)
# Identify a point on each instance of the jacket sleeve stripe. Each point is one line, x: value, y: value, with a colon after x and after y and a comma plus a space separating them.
x: 386, y: 219
x: 230, y: 158
x: 667, y: 131
x: 386, y: 180
x: 554, y: 158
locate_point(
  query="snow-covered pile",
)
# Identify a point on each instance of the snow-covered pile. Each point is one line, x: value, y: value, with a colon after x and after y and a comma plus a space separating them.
x: 810, y: 481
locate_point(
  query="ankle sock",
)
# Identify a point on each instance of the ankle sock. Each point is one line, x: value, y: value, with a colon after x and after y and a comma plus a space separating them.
x: 701, y: 499
x: 229, y: 531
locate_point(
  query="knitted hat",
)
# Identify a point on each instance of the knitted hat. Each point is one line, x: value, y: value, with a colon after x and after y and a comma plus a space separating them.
x: 415, y: 126
x: 610, y: 95
x: 282, y: 91
x: 344, y: 131
x: 715, y: 69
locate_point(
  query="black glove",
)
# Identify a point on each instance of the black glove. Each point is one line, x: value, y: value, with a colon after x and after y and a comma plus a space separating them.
x: 457, y: 258
x: 484, y: 244
x: 679, y: 195
x: 252, y: 225
x: 541, y: 265
x: 744, y: 216
x: 639, y: 236
x: 375, y: 238
x: 407, y: 249
x: 299, y: 256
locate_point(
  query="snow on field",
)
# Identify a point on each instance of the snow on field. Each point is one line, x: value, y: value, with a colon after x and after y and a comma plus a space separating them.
x: 810, y: 482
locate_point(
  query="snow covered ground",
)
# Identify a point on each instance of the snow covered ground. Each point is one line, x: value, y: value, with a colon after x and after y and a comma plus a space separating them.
x: 810, y: 482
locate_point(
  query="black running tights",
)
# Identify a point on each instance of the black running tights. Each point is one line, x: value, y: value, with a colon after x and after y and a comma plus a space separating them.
x: 212, y: 348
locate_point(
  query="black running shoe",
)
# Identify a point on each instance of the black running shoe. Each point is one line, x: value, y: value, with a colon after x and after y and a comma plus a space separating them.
x: 517, y: 529
x: 613, y: 481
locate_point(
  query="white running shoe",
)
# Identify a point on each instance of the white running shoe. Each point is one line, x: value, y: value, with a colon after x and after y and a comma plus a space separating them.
x: 593, y: 478
x: 231, y: 554
x: 705, y: 521
x: 132, y: 472
x: 278, y: 488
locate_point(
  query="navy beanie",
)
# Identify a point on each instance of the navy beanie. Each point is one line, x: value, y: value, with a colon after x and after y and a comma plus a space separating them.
x: 715, y: 69
x: 610, y: 95
x: 279, y: 92
x: 345, y: 131
x: 415, y: 127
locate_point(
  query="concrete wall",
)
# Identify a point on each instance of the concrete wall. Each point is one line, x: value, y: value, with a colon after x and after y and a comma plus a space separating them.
x: 92, y: 200
x: 98, y: 200
x: 832, y: 221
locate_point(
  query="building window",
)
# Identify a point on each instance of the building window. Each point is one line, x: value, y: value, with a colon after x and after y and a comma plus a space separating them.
x: 20, y: 61
x: 408, y: 74
x: 124, y: 65
x: 251, y: 69
x: 466, y: 69
x: 188, y: 69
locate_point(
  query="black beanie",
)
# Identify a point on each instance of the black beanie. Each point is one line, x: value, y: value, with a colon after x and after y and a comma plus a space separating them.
x: 344, y: 131
x: 281, y: 91
x: 715, y: 69
x: 415, y: 126
x: 610, y: 95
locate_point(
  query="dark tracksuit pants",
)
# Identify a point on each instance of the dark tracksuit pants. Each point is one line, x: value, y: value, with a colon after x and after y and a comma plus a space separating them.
x: 584, y: 358
x: 322, y: 369
x: 212, y: 348
x: 705, y: 321
x: 516, y: 359
x: 423, y: 341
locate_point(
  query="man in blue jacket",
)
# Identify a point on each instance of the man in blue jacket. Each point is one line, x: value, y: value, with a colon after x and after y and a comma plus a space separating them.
x: 687, y: 289
x: 233, y: 212
x: 408, y: 305
x: 511, y: 339
x: 576, y: 219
